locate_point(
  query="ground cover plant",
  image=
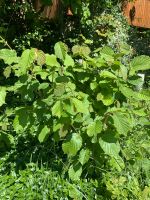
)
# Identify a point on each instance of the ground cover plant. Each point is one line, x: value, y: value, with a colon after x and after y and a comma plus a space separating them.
x: 74, y: 119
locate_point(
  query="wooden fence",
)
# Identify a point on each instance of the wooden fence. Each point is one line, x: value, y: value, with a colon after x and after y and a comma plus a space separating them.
x: 137, y: 13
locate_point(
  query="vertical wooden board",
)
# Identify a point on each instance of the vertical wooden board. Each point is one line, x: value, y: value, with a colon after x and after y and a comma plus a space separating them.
x: 137, y: 13
x: 51, y: 12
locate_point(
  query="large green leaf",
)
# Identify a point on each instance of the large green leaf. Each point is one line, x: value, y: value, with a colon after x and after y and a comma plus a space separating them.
x: 9, y: 56
x: 80, y: 106
x: 81, y: 50
x: 122, y: 122
x: 72, y: 145
x: 107, y: 50
x: 129, y: 93
x: 27, y: 58
x: 139, y: 63
x: 107, y: 74
x: 16, y: 125
x: 107, y: 53
x: 51, y: 60
x: 109, y: 144
x: 21, y: 120
x: 84, y: 156
x: 68, y: 61
x: 57, y: 109
x: 2, y: 95
x: 44, y: 133
x: 40, y: 57
x: 94, y: 128
x: 60, y: 50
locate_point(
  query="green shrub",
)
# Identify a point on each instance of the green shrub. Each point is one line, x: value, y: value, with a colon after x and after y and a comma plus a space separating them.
x: 86, y: 103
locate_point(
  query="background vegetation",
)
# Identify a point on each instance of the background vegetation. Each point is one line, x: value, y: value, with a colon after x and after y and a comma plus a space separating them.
x: 74, y: 112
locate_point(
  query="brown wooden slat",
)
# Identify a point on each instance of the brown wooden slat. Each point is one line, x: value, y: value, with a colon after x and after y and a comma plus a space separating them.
x: 51, y: 11
x: 138, y: 13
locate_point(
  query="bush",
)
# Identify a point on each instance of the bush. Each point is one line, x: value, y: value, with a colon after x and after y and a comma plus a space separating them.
x: 85, y: 105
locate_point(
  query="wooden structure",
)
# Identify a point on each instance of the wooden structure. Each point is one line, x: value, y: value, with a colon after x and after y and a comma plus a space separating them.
x: 51, y: 11
x: 137, y: 12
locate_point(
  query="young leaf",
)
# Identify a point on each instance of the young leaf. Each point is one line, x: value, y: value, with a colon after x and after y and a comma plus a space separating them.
x: 72, y: 145
x: 43, y: 134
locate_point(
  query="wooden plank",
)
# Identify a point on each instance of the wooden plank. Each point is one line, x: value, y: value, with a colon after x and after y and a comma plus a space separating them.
x: 51, y: 11
x: 137, y: 13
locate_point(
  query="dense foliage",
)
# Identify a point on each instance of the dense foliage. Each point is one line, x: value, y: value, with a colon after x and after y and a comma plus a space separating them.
x: 74, y: 114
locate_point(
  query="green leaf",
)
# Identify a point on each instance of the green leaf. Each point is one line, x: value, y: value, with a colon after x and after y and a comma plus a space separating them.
x: 43, y: 75
x: 107, y: 50
x: 123, y: 72
x: 40, y: 57
x: 62, y: 79
x: 106, y: 96
x: 80, y: 106
x: 122, y: 123
x: 57, y: 109
x: 107, y: 74
x: 72, y: 145
x: 107, y: 53
x: 2, y: 95
x: 84, y: 156
x: 139, y: 63
x: 43, y: 134
x: 117, y: 162
x: 21, y: 120
x: 59, y: 90
x: 16, y: 125
x: 43, y: 86
x: 6, y: 140
x: 68, y: 61
x: 81, y: 50
x: 7, y: 72
x: 94, y: 128
x: 110, y: 145
x: 75, y: 172
x: 51, y: 60
x: 27, y: 58
x: 9, y: 56
x: 60, y: 50
x: 129, y: 93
